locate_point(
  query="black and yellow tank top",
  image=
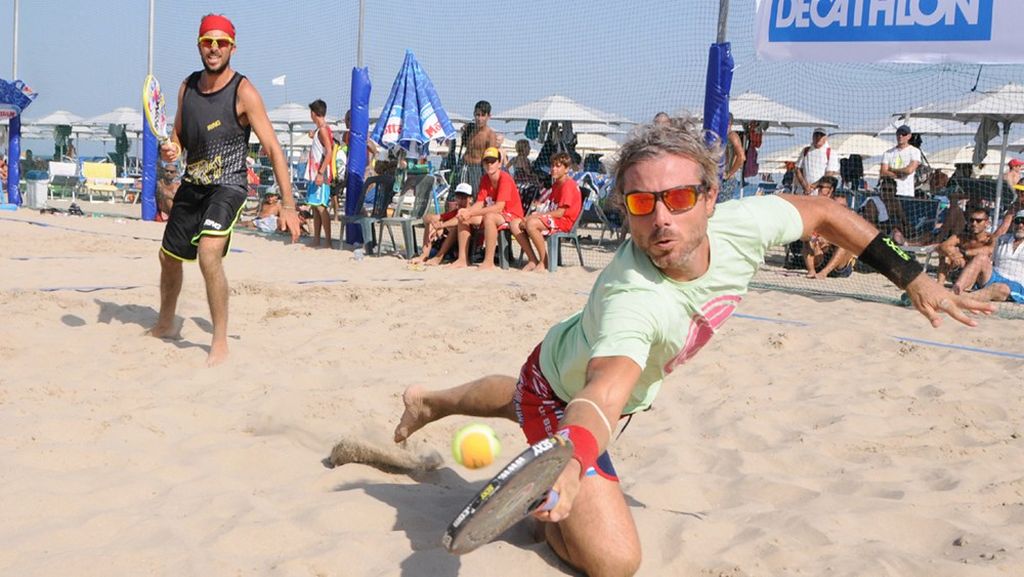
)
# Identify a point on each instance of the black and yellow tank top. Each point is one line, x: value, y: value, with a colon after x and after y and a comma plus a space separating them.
x: 216, y: 142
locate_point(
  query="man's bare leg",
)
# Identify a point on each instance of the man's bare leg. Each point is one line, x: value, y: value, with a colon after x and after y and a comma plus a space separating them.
x: 325, y: 218
x: 211, y: 263
x: 430, y: 222
x: 491, y: 221
x: 995, y: 292
x: 535, y: 229
x: 171, y: 276
x: 489, y: 396
x: 446, y: 245
x: 465, y: 233
x: 599, y: 537
x: 978, y: 268
x: 519, y: 231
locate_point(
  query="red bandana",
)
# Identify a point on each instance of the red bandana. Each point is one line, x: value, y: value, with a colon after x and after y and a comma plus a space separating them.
x: 216, y: 22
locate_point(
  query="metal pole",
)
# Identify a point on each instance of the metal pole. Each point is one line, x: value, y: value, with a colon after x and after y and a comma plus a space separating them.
x: 359, y: 44
x: 723, y: 19
x: 14, y: 52
x: 1002, y: 166
x: 152, y: 15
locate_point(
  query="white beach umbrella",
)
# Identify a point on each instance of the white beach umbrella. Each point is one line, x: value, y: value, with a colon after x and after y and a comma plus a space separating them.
x: 886, y: 127
x: 1004, y: 105
x: 126, y: 115
x: 57, y: 118
x: 948, y: 158
x: 862, y: 144
x: 595, y: 143
x: 751, y: 106
x: 556, y: 108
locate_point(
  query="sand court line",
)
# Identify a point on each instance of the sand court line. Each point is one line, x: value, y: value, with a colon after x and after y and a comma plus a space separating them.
x: 895, y: 337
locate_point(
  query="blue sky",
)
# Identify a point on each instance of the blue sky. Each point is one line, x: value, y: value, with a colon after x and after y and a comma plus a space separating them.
x: 632, y: 59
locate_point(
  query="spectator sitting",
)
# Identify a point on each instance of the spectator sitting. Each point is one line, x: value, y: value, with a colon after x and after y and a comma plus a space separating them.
x: 564, y: 205
x: 885, y: 211
x: 975, y: 242
x: 522, y: 169
x: 266, y: 215
x: 440, y: 227
x: 1013, y: 172
x: 497, y: 204
x: 1016, y: 206
x: 3, y: 172
x: 821, y: 257
x: 1002, y: 278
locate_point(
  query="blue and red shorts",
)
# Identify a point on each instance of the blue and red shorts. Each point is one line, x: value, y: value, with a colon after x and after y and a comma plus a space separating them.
x: 539, y: 410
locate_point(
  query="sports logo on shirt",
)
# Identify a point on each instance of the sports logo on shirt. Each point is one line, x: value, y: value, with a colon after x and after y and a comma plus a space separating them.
x: 713, y: 314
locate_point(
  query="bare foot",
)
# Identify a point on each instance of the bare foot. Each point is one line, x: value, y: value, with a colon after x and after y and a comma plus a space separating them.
x: 171, y: 330
x: 417, y: 259
x: 416, y: 413
x: 433, y: 261
x: 218, y: 354
x: 529, y: 266
x: 455, y: 264
x: 486, y: 266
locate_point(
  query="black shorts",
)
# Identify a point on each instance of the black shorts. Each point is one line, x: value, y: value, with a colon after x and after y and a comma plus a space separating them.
x: 201, y: 210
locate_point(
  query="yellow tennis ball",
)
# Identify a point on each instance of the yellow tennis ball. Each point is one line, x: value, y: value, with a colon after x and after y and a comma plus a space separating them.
x: 475, y: 446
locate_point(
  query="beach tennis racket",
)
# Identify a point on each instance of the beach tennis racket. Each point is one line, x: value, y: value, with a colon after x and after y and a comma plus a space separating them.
x: 153, y: 105
x: 522, y: 487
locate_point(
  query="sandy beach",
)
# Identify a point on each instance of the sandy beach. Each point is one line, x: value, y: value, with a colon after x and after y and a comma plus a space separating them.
x: 810, y: 437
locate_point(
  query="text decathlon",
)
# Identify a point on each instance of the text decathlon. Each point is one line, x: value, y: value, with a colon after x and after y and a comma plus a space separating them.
x: 880, y: 20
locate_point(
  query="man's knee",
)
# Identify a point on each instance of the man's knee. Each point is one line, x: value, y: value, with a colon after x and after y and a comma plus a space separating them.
x: 1001, y: 290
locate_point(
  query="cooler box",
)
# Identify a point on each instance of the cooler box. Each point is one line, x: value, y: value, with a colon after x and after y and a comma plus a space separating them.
x: 36, y: 192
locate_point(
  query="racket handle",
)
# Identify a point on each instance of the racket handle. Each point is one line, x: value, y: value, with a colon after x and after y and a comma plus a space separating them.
x: 550, y: 502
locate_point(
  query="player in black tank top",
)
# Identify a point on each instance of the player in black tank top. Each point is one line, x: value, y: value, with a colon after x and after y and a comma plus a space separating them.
x: 217, y: 109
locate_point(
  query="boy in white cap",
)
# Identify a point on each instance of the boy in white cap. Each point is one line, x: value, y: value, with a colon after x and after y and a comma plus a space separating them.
x: 438, y: 225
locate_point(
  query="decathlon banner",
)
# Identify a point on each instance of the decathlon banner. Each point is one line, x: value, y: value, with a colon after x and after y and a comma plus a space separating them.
x: 924, y: 31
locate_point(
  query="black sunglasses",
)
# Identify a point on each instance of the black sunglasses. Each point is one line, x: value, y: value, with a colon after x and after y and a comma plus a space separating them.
x: 1018, y: 221
x: 983, y: 219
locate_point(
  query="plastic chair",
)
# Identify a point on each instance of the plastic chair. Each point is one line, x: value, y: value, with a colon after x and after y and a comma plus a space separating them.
x: 99, y: 179
x: 385, y: 192
x: 555, y: 246
x: 424, y: 187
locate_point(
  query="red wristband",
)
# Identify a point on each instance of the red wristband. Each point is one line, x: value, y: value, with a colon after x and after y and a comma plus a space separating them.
x: 584, y: 446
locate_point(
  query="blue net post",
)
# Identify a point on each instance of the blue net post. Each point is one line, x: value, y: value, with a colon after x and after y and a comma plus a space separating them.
x: 150, y: 156
x: 355, y: 169
x: 716, y: 92
x: 13, y: 166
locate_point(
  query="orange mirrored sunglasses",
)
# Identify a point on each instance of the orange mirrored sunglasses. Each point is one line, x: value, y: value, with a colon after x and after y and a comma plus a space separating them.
x: 678, y: 199
x: 211, y: 42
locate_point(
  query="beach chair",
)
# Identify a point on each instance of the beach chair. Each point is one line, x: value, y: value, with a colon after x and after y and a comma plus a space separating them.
x: 384, y: 192
x: 99, y: 179
x: 555, y: 246
x: 423, y: 188
x: 63, y: 179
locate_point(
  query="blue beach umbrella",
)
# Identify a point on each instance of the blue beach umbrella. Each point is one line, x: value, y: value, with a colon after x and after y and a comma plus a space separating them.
x: 413, y: 116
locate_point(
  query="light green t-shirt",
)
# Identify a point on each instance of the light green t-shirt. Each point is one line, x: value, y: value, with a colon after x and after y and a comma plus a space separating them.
x: 636, y: 311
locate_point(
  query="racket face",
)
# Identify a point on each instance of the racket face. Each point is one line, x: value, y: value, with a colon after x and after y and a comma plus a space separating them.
x: 153, y: 104
x: 509, y: 497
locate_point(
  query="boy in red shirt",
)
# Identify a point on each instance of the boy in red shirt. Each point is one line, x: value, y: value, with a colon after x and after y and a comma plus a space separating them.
x: 559, y: 215
x: 496, y: 206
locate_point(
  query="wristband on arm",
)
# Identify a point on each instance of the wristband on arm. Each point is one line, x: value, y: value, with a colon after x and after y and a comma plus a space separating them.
x: 584, y: 446
x: 885, y: 256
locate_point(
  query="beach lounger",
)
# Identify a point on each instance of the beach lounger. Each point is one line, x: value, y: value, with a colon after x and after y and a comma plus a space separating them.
x: 99, y: 179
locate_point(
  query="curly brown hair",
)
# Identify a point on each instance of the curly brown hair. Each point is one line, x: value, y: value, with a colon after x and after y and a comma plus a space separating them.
x: 682, y: 136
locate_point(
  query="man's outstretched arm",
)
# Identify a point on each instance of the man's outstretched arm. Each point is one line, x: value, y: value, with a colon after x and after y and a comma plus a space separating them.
x: 853, y: 233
